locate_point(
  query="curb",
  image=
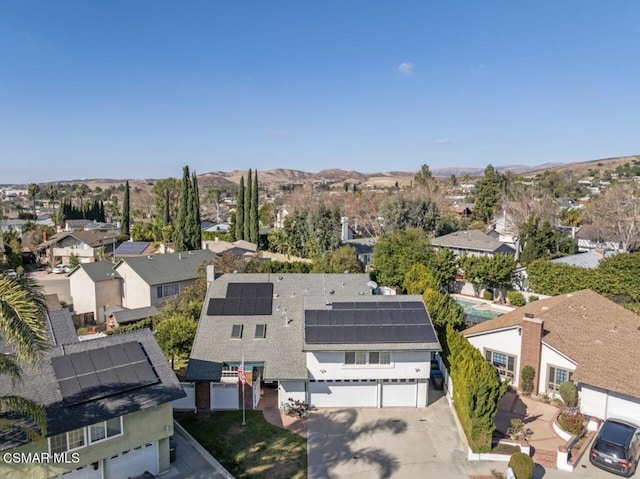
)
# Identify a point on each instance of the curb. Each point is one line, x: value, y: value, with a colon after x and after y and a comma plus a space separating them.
x: 202, y: 451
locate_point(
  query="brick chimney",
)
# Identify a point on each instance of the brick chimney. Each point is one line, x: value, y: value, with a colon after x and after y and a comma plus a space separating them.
x: 531, y: 346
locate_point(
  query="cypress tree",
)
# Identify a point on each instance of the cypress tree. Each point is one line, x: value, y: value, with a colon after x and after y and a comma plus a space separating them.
x: 166, y: 214
x: 240, y: 211
x: 247, y: 209
x: 195, y: 231
x: 181, y: 233
x: 124, y: 223
x: 254, y: 229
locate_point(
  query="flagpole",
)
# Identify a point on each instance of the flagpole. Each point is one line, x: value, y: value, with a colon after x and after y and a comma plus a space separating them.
x: 244, y: 418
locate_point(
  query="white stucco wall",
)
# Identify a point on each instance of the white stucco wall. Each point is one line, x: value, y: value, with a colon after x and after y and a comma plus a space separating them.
x: 403, y: 366
x: 82, y: 290
x: 608, y: 404
x: 136, y: 292
x: 507, y: 341
x: 550, y: 357
x: 292, y: 389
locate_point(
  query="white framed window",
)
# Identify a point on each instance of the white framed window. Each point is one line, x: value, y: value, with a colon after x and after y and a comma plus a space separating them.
x: 362, y: 358
x: 167, y: 290
x: 504, y: 363
x: 556, y: 376
x: 105, y: 430
x: 58, y: 443
x: 68, y: 441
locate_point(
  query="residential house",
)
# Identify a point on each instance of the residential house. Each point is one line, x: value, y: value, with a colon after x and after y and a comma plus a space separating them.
x: 589, y: 259
x: 133, y: 284
x: 322, y: 338
x: 472, y: 243
x: 591, y: 237
x: 108, y: 405
x: 151, y: 280
x: 118, y: 316
x: 237, y: 248
x: 581, y: 337
x: 87, y: 246
x: 215, y: 227
x: 364, y: 250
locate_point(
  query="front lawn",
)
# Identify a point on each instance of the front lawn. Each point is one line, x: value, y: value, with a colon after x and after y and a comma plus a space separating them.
x: 258, y: 449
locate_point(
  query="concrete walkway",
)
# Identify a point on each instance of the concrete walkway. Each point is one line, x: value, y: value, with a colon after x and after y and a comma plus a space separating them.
x: 269, y: 406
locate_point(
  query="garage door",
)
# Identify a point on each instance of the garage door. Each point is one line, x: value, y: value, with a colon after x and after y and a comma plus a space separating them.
x: 623, y: 407
x: 399, y: 393
x: 224, y: 396
x: 133, y: 462
x: 343, y: 393
x: 87, y: 472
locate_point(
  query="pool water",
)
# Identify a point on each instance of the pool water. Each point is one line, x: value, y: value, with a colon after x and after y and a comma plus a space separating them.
x: 472, y: 315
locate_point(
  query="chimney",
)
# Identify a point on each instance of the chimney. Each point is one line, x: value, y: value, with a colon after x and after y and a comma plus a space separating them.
x: 531, y: 346
x: 211, y: 273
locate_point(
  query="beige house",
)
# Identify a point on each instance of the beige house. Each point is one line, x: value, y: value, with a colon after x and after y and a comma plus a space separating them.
x: 95, y: 287
x: 87, y: 246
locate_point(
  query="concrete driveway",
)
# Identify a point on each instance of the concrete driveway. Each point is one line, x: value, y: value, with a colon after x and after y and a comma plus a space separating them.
x: 393, y: 442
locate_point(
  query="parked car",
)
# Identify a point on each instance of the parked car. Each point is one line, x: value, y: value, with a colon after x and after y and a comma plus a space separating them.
x: 617, y: 447
x: 61, y: 268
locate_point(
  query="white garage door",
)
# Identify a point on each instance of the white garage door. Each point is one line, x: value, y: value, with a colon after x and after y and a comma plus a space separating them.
x: 87, y: 472
x: 399, y: 394
x: 224, y: 396
x: 133, y: 462
x: 343, y: 393
x: 623, y: 407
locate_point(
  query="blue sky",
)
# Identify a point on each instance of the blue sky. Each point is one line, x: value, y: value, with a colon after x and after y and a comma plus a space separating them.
x: 137, y: 89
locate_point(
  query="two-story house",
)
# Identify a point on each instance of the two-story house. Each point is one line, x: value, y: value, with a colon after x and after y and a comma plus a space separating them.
x: 323, y: 338
x: 472, y: 243
x: 108, y: 405
x: 86, y: 246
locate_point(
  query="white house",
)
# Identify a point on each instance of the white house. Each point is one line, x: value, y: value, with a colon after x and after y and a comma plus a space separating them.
x: 472, y: 243
x: 322, y: 338
x: 581, y: 337
x: 95, y: 287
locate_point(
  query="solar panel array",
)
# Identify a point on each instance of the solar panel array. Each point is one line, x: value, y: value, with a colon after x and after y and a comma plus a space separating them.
x: 103, y: 372
x: 132, y: 247
x: 243, y: 299
x: 370, y: 322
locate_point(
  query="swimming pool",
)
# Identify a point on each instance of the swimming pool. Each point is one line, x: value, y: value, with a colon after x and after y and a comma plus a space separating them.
x: 475, y: 313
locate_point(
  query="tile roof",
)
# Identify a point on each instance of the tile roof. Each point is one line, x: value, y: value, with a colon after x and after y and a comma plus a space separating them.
x: 600, y: 336
x: 40, y: 385
x: 168, y: 268
x: 471, y: 239
x: 282, y: 350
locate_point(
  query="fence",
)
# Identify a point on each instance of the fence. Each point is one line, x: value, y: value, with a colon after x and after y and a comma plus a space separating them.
x: 189, y: 402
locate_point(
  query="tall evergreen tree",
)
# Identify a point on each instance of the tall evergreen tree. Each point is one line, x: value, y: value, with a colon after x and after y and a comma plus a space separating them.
x: 167, y: 211
x: 181, y: 232
x: 240, y: 211
x: 195, y: 231
x: 125, y: 221
x: 247, y: 209
x: 253, y: 216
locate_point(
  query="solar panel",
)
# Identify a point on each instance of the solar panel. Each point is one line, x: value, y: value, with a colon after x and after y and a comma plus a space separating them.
x: 311, y: 335
x: 99, y: 376
x: 132, y: 247
x: 243, y: 299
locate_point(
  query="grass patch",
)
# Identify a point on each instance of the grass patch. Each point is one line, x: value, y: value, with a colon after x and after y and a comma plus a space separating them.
x: 258, y: 449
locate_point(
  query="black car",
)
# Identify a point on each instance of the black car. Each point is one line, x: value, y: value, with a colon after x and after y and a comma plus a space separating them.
x: 616, y: 447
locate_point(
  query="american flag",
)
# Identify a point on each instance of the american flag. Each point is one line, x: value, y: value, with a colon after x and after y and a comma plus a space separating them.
x: 241, y: 376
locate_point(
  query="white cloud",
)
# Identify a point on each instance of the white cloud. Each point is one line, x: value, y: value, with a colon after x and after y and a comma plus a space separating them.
x: 406, y: 68
x: 441, y: 141
x: 279, y: 132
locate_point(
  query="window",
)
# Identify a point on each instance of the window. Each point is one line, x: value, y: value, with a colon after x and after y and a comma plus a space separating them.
x: 261, y: 331
x: 360, y: 358
x: 105, y: 430
x: 76, y: 439
x: 505, y: 364
x: 114, y: 427
x: 556, y: 377
x: 58, y: 443
x: 97, y: 432
x: 236, y: 331
x: 167, y: 290
x: 68, y: 441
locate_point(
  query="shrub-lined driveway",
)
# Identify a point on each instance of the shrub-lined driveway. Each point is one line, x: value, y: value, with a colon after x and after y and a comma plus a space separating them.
x: 391, y: 442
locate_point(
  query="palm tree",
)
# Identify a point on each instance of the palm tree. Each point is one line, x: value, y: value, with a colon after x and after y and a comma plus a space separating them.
x: 33, y: 190
x: 52, y: 194
x: 22, y: 327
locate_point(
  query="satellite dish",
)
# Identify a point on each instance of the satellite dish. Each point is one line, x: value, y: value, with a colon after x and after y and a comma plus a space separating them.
x: 372, y: 284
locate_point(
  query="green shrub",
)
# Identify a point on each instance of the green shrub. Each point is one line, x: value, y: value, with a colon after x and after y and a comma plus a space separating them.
x: 82, y: 331
x: 488, y: 295
x: 569, y: 394
x: 526, y: 380
x: 516, y: 298
x: 573, y: 423
x: 533, y: 298
x: 522, y: 465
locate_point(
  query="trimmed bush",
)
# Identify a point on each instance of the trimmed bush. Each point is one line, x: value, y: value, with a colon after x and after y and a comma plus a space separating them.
x: 533, y: 297
x: 488, y: 295
x: 516, y: 298
x: 522, y: 465
x: 526, y: 380
x: 569, y: 394
x: 572, y: 423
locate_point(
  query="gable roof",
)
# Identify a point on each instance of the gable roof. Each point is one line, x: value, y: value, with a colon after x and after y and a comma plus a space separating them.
x: 125, y: 315
x: 590, y: 259
x: 98, y: 271
x: 41, y: 385
x: 91, y: 238
x: 600, y: 336
x: 471, y: 240
x: 132, y: 248
x: 282, y: 350
x: 168, y: 268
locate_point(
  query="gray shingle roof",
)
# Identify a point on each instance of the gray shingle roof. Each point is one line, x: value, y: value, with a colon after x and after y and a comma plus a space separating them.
x: 62, y: 328
x: 170, y: 267
x: 283, y: 348
x: 40, y: 385
x: 471, y: 240
x: 98, y: 271
x: 132, y: 247
x: 590, y: 259
x: 129, y: 315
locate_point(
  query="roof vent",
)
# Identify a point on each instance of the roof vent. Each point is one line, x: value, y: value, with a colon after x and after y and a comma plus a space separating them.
x: 528, y: 315
x: 280, y: 278
x: 332, y: 292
